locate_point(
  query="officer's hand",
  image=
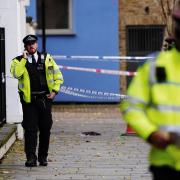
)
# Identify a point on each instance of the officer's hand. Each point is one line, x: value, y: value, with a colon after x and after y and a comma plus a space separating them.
x: 160, y: 139
x: 51, y: 95
x: 25, y: 54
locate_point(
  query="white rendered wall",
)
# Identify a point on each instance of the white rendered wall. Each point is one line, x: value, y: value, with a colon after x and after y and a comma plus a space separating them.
x: 12, y: 18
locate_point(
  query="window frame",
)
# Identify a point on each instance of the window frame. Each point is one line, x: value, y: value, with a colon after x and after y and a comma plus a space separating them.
x: 68, y: 31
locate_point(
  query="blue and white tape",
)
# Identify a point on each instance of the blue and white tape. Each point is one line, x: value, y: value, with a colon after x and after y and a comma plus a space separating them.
x: 92, y: 94
x: 104, y: 58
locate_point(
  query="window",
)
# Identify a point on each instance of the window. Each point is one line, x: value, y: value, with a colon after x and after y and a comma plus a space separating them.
x: 144, y: 39
x: 58, y: 16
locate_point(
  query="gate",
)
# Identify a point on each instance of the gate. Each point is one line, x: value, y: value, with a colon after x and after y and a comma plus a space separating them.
x: 2, y: 78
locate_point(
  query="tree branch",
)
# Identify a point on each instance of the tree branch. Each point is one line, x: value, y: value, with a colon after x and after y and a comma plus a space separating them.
x: 163, y: 11
x: 168, y: 8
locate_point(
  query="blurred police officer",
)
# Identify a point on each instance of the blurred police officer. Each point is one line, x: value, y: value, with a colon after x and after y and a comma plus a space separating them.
x: 153, y: 108
x: 39, y: 80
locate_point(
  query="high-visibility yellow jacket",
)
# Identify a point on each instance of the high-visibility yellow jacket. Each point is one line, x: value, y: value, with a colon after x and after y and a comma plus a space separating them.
x: 53, y: 76
x: 154, y: 101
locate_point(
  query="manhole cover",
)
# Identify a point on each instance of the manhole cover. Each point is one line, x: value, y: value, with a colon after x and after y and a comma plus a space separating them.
x: 91, y: 133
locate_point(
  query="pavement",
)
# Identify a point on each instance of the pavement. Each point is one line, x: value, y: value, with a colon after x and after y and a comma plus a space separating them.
x: 74, y: 155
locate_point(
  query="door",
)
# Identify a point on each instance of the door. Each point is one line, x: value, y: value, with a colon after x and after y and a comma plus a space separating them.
x: 2, y: 77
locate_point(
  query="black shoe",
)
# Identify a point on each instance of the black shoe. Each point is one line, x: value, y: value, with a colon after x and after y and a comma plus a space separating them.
x: 43, y: 162
x: 31, y: 163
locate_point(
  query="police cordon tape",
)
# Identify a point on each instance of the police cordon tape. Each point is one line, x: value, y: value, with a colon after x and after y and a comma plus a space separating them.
x: 96, y: 94
x: 87, y: 93
x: 104, y: 58
x: 100, y: 71
x: 92, y: 94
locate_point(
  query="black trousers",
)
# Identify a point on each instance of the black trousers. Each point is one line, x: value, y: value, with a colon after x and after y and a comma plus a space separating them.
x: 37, y: 117
x: 164, y: 173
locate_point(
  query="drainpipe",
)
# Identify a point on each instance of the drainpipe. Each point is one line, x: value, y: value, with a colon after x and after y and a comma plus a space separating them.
x: 43, y: 15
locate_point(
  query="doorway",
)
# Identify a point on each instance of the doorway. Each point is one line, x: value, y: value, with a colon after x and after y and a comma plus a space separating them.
x: 2, y: 78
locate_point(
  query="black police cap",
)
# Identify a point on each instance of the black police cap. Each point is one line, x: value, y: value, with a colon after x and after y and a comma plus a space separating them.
x: 30, y: 38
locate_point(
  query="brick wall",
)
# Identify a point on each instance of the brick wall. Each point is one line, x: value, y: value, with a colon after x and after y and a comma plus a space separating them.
x: 135, y: 12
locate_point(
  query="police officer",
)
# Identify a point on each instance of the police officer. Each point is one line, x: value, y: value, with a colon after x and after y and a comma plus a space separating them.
x: 39, y: 80
x: 152, y: 108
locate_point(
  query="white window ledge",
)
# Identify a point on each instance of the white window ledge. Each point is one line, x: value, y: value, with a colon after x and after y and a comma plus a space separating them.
x: 56, y: 32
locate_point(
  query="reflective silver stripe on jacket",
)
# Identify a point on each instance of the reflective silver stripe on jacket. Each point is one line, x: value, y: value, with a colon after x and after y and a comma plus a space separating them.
x: 170, y: 128
x: 60, y: 78
x: 56, y: 71
x: 132, y: 109
x: 51, y: 81
x: 166, y: 108
x: 135, y: 100
x: 14, y: 72
x: 21, y: 86
x: 50, y: 71
x: 171, y: 83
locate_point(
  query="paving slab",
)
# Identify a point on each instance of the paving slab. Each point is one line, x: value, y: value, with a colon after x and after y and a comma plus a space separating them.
x: 75, y: 156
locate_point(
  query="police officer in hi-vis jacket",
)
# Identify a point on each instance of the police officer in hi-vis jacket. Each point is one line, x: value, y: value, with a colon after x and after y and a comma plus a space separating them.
x: 152, y: 108
x: 39, y: 80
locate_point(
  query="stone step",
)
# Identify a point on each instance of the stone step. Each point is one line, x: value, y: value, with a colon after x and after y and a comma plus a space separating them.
x: 7, y: 138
